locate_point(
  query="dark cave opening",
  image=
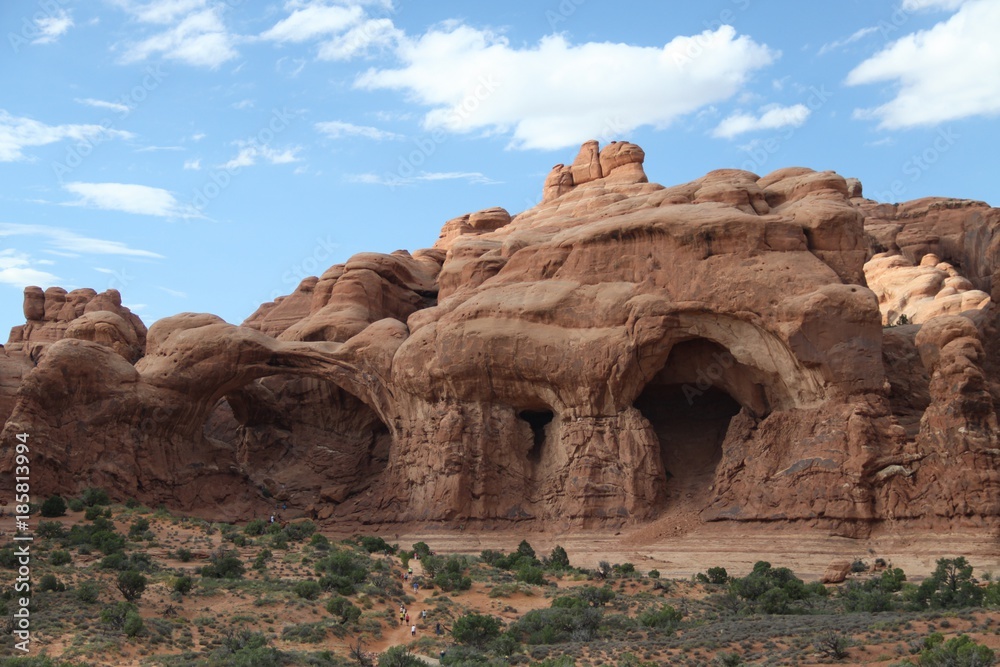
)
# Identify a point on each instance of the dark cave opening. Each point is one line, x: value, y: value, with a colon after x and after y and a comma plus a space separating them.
x: 537, y: 420
x: 691, y: 426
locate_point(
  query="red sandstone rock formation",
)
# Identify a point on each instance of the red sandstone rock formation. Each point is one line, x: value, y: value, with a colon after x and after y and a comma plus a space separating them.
x: 615, y: 350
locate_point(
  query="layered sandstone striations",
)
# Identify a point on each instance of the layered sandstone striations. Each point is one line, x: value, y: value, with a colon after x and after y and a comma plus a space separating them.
x: 618, y: 351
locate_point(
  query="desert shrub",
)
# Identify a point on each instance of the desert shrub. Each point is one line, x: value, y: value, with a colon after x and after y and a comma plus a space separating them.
x: 139, y: 528
x: 569, y: 602
x: 92, y: 497
x: 279, y: 540
x: 300, y: 530
x: 255, y: 527
x: 50, y: 530
x: 310, y: 633
x: 421, y: 549
x: 772, y: 590
x: 714, y: 575
x: 376, y: 545
x: 260, y: 562
x: 341, y: 608
x: 594, y: 596
x: 88, y: 592
x: 341, y: 571
x: 558, y: 625
x: 131, y: 584
x: 223, y: 565
x: 319, y: 541
x: 133, y: 624
x: 183, y: 584
x: 244, y: 648
x: 60, y: 557
x: 54, y: 506
x: 958, y: 651
x: 530, y: 574
x: 664, y: 618
x: 48, y: 582
x: 115, y: 615
x: 76, y: 505
x: 558, y: 559
x: 950, y: 586
x: 448, y: 574
x: 653, y: 574
x: 308, y: 589
x: 184, y: 555
x: 399, y: 656
x: 475, y: 629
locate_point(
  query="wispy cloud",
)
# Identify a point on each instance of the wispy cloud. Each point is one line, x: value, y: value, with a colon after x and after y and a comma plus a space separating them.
x: 101, y: 104
x: 840, y: 43
x: 173, y: 292
x: 193, y: 165
x: 394, y: 180
x: 249, y: 156
x: 336, y: 129
x: 16, y: 270
x: 130, y: 198
x: 770, y: 118
x: 17, y: 133
x: 200, y: 38
x: 66, y: 243
x: 50, y: 28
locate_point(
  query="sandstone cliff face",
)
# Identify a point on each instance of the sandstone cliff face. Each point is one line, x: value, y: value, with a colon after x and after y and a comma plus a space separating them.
x: 618, y: 348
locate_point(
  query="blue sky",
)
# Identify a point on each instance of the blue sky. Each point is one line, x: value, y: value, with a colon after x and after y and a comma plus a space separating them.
x: 206, y: 155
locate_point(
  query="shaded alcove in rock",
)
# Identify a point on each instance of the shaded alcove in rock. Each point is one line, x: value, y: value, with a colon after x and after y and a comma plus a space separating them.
x: 302, y: 438
x: 537, y: 420
x: 690, y: 403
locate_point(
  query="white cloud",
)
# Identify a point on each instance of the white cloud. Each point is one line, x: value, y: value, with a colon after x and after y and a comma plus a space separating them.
x: 199, y: 39
x: 249, y: 155
x: 15, y: 270
x: 243, y: 104
x: 66, y: 243
x: 101, y: 104
x: 198, y: 137
x: 173, y: 292
x: 17, y: 133
x: 313, y: 20
x: 948, y: 72
x: 194, y: 165
x: 557, y: 94
x: 770, y: 118
x: 941, y: 5
x: 856, y: 36
x: 51, y: 28
x: 159, y: 11
x: 155, y: 149
x: 129, y: 198
x: 394, y: 180
x: 373, y: 33
x: 335, y: 129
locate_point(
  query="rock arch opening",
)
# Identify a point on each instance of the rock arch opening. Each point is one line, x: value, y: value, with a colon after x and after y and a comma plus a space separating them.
x: 301, y: 438
x: 689, y: 404
x: 538, y: 420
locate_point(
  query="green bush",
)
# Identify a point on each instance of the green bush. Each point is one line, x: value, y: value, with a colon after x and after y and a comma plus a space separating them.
x: 54, y: 506
x: 255, y: 527
x: 475, y: 629
x: 138, y: 528
x: 653, y: 574
x: 60, y: 557
x: 958, y: 651
x: 558, y: 625
x: 183, y: 584
x: 184, y: 555
x: 950, y: 586
x: 531, y: 575
x: 223, y: 565
x: 664, y: 618
x: 133, y: 624
x: 342, y: 608
x: 115, y: 615
x: 320, y: 542
x: 399, y: 656
x: 341, y: 571
x: 48, y: 582
x: 308, y: 589
x: 772, y: 590
x: 421, y: 549
x: 300, y: 530
x: 131, y: 584
x: 376, y: 545
x: 76, y: 505
x: 50, y: 529
x: 558, y: 559
x: 92, y: 497
x: 88, y: 592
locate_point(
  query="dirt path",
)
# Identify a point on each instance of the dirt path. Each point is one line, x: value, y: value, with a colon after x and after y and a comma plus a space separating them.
x: 401, y: 633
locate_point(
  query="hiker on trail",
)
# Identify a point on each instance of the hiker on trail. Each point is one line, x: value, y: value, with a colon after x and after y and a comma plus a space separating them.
x: 272, y: 518
x: 423, y: 614
x: 409, y: 570
x: 437, y: 630
x: 407, y: 618
x: 413, y: 631
x: 415, y: 586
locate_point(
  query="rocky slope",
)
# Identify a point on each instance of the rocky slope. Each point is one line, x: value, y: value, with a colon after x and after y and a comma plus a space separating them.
x: 617, y: 351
